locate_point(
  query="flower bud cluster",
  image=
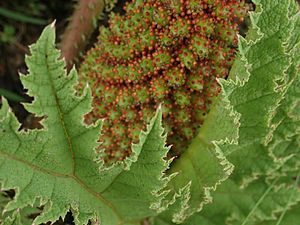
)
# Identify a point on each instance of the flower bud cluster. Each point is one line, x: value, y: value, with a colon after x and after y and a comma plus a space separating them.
x: 161, y: 51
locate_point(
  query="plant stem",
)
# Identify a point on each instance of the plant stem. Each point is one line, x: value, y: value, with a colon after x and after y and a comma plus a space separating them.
x: 81, y: 26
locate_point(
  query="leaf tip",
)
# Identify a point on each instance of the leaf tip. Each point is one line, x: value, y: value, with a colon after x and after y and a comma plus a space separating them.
x: 52, y: 25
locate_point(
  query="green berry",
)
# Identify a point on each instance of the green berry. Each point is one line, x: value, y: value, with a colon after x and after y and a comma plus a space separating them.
x: 188, y: 58
x: 182, y: 97
x: 196, y: 81
x: 175, y: 77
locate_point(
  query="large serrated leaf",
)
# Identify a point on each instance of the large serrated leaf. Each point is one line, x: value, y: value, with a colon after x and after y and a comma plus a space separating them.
x: 284, y: 142
x: 257, y: 99
x: 58, y: 167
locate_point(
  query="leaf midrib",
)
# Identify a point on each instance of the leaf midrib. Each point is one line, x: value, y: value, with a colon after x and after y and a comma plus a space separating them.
x: 73, y: 175
x: 61, y: 115
x: 67, y: 176
x: 76, y: 179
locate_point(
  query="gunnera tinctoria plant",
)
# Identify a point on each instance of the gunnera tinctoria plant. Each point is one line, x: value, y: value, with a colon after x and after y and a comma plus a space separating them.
x: 166, y: 51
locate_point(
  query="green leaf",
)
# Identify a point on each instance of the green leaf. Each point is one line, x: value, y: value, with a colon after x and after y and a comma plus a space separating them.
x: 11, y: 95
x: 59, y: 166
x: 284, y: 135
x: 291, y: 217
x: 8, y: 34
x: 203, y: 167
x: 4, y: 199
x: 231, y: 205
x: 256, y: 99
x: 14, y: 220
x: 21, y: 17
x: 23, y: 216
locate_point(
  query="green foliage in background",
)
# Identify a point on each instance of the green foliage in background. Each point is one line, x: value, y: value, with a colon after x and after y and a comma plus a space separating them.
x: 21, y: 17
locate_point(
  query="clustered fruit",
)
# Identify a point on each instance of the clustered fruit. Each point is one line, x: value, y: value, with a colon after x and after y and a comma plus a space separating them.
x: 161, y: 51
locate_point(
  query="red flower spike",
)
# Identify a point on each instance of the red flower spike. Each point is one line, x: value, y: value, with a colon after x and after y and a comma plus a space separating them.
x: 161, y: 51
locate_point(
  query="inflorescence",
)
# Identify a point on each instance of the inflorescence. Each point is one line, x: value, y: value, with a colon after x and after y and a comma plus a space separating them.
x: 161, y: 51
